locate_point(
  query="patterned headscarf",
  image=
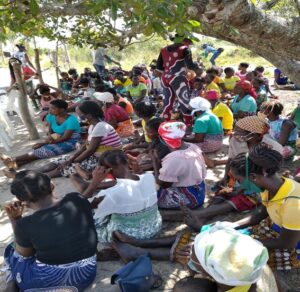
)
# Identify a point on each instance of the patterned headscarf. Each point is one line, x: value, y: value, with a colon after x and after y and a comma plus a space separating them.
x: 172, y: 133
x: 253, y: 124
x: 230, y: 257
x: 245, y: 84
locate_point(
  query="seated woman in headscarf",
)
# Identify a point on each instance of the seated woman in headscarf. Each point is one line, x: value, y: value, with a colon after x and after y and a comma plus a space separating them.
x: 115, y: 114
x: 282, y: 129
x: 128, y: 205
x: 182, y: 173
x: 243, y: 103
x: 208, y: 129
x: 219, y: 262
x: 54, y: 246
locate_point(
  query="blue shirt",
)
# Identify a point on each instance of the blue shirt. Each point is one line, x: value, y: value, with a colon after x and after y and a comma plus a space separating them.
x: 210, y: 49
x: 246, y: 104
x: 208, y: 123
x: 71, y: 123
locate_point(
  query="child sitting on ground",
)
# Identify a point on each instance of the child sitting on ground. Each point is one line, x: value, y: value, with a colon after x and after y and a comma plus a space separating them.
x: 242, y: 73
x: 230, y: 79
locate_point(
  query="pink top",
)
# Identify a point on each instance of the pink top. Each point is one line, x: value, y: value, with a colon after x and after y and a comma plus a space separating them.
x: 184, y: 168
x: 242, y: 76
x: 46, y: 103
x: 115, y: 112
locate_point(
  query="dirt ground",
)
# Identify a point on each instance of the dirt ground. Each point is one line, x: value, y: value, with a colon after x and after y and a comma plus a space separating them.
x: 170, y: 272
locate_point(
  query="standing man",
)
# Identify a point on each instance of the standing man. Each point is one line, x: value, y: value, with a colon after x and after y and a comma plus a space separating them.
x: 100, y: 58
x: 27, y: 67
x: 215, y: 53
x: 173, y: 62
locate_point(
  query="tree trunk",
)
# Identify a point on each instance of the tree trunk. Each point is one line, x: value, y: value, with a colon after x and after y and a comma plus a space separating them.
x: 242, y: 23
x: 38, y: 64
x: 67, y: 56
x: 57, y: 71
x: 2, y: 53
x: 23, y: 103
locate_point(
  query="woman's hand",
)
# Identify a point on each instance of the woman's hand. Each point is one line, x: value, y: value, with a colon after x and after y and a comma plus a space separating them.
x: 100, y: 173
x: 14, y: 210
x: 66, y: 163
x: 38, y: 145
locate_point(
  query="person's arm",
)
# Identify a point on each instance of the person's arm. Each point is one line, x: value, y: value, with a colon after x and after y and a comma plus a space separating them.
x: 29, y: 62
x: 198, y: 138
x: 189, y: 60
x: 288, y: 239
x: 99, y: 174
x: 255, y: 218
x: 160, y: 63
x: 14, y: 212
x: 286, y: 129
x: 156, y: 167
x: 89, y: 150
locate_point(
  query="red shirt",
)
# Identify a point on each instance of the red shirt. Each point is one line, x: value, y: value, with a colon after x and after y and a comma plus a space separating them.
x: 117, y: 113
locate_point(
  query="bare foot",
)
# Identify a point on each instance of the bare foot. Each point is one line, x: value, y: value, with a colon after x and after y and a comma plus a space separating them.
x: 9, y: 173
x: 84, y: 174
x: 126, y: 251
x: 107, y: 254
x: 190, y: 219
x: 8, y: 161
x: 125, y: 238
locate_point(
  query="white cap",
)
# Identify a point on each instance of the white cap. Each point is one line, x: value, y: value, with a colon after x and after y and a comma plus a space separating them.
x: 199, y: 104
x: 104, y: 97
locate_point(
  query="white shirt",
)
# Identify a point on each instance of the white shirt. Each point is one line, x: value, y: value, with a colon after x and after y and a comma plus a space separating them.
x: 128, y: 196
x: 99, y: 58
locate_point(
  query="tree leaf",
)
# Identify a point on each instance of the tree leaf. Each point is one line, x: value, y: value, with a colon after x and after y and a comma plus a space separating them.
x: 34, y: 7
x: 157, y: 27
x: 194, y: 23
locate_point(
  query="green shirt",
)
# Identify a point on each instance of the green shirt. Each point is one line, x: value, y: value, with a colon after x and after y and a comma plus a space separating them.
x: 296, y: 116
x: 208, y: 123
x: 135, y: 92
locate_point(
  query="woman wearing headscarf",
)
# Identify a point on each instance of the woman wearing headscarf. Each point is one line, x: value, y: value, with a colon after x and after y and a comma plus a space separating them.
x: 243, y: 103
x: 220, y: 263
x: 207, y: 129
x: 115, y: 115
x: 182, y: 173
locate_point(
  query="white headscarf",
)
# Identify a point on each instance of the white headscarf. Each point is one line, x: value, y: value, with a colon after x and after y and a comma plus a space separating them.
x: 229, y: 257
x: 199, y: 104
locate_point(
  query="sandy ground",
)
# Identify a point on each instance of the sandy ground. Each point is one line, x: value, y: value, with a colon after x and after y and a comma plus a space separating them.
x: 170, y: 272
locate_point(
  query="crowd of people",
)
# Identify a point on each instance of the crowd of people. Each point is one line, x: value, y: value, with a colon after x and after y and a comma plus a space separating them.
x: 136, y: 145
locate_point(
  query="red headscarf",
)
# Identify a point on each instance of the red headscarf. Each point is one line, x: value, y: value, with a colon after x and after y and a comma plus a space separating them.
x: 247, y: 86
x: 172, y: 133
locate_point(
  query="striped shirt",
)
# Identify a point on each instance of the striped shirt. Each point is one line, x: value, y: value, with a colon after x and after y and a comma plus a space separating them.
x: 106, y: 132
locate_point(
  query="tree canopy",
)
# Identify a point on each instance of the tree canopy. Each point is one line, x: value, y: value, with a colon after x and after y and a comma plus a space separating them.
x: 270, y: 28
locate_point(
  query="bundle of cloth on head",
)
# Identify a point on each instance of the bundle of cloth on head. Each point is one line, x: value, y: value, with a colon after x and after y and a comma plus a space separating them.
x: 230, y: 257
x: 172, y: 133
x: 199, y: 104
x: 212, y: 95
x: 253, y: 124
x: 246, y: 85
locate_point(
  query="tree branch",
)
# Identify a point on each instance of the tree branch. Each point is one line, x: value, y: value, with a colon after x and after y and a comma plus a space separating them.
x: 269, y: 5
x: 297, y: 3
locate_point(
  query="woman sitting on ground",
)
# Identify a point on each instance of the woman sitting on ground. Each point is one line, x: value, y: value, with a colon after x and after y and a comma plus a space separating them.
x: 101, y: 137
x: 115, y: 115
x: 56, y: 245
x: 215, y: 256
x: 208, y: 130
x: 243, y: 103
x: 64, y: 133
x: 129, y: 204
x: 283, y: 130
x: 137, y: 91
x: 146, y: 112
x: 182, y: 172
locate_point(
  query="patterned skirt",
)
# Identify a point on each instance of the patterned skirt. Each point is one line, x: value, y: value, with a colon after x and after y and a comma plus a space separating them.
x: 89, y: 164
x: 51, y: 150
x: 192, y: 197
x: 29, y: 273
x: 211, y: 143
x: 285, y: 259
x: 144, y: 224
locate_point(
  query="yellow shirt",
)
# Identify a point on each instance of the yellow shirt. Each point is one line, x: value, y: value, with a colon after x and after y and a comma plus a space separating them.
x: 221, y: 110
x: 117, y: 82
x: 218, y: 80
x: 213, y: 86
x: 240, y: 289
x: 284, y: 208
x: 230, y: 83
x: 147, y: 139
